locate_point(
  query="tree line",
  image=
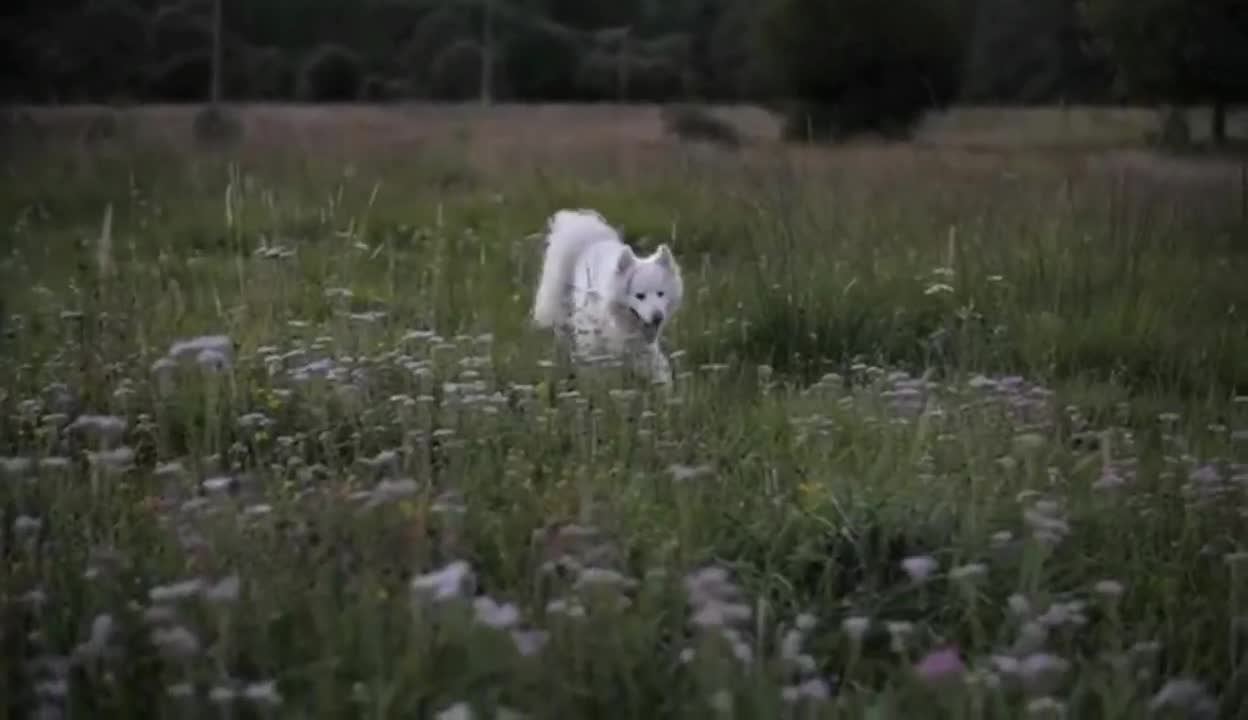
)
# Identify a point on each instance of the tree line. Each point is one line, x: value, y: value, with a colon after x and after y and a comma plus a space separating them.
x: 836, y: 67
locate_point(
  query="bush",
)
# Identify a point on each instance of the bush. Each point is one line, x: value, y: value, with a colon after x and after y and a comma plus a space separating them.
x: 376, y: 89
x: 216, y: 126
x: 1176, y: 130
x: 331, y: 73
x: 456, y: 72
x: 184, y: 78
x: 690, y: 122
x: 270, y: 74
x: 848, y: 67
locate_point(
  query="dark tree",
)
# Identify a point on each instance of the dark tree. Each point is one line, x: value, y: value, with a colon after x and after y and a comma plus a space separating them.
x: 1178, y: 51
x: 851, y: 66
x: 331, y: 73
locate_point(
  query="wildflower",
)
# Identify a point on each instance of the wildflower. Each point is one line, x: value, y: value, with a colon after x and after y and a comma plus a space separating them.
x: 898, y: 634
x: 391, y: 490
x: 180, y: 691
x: 169, y: 471
x: 718, y: 614
x: 1109, y: 589
x: 529, y: 642
x: 682, y: 473
x: 492, y: 614
x: 444, y: 584
x: 218, y: 344
x: 721, y: 701
x: 263, y: 693
x: 969, y: 572
x: 567, y: 608
x: 218, y: 485
x: 856, y: 627
x: 920, y: 567
x: 26, y: 525
x: 1046, y: 708
x: 115, y: 460
x: 602, y: 577
x: 222, y: 695
x: 14, y: 467
x: 1032, y: 636
x: 176, y: 642
x: 1185, y: 696
x: 458, y: 711
x: 940, y: 666
x: 814, y: 689
x: 102, y: 629
x: 1060, y: 614
x: 1042, y: 673
x: 102, y: 427
x: 1028, y: 442
x: 1005, y: 664
x: 176, y: 591
x: 225, y: 591
x: 54, y: 463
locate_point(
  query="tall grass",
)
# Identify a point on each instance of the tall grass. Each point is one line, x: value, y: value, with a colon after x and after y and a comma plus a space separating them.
x: 953, y: 436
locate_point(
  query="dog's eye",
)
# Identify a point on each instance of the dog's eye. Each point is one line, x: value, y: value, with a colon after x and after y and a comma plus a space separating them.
x: 659, y: 293
x: 641, y: 296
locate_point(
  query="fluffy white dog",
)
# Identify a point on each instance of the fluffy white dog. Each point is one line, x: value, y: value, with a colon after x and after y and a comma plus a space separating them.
x: 611, y: 304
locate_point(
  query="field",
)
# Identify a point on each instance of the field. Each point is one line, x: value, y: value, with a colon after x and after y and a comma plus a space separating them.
x: 960, y: 428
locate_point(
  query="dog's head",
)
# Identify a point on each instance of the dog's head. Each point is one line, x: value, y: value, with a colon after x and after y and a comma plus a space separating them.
x: 650, y: 289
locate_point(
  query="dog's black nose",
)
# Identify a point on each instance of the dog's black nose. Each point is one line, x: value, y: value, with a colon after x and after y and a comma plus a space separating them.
x: 656, y: 318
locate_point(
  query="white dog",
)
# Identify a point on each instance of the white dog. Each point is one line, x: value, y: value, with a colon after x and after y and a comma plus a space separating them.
x: 610, y: 303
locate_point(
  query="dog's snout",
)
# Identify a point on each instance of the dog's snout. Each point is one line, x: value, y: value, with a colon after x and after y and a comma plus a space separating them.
x: 656, y: 317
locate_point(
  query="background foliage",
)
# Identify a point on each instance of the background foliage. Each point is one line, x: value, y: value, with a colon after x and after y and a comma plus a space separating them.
x: 844, y: 64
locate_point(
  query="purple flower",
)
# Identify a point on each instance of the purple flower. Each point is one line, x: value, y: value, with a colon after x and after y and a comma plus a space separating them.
x: 940, y: 666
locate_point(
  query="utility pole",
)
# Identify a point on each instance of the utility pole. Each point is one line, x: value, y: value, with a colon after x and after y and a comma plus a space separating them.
x: 215, y: 91
x: 487, y: 52
x: 625, y: 62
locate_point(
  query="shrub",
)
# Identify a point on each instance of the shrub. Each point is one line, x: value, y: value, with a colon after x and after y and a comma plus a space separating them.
x: 215, y: 125
x: 331, y: 73
x: 184, y: 78
x: 691, y: 122
x: 270, y: 74
x: 848, y: 67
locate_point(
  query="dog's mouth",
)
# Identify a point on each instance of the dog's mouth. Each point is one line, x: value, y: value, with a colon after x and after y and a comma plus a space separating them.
x: 649, y: 330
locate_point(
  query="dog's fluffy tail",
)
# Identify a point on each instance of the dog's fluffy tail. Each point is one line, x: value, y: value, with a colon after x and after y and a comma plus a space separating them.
x: 568, y: 234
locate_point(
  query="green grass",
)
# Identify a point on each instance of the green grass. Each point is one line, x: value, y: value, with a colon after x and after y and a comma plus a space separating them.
x: 831, y: 418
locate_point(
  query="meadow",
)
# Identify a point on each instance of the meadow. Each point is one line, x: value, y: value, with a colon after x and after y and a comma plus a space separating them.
x: 960, y: 426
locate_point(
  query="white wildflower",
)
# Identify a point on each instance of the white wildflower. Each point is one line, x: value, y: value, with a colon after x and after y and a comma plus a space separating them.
x: 446, y: 583
x: 493, y: 614
x: 920, y: 567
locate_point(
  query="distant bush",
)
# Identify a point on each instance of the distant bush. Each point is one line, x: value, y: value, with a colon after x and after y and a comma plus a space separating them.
x: 690, y: 122
x: 175, y: 30
x: 849, y: 67
x: 456, y: 71
x: 1176, y: 130
x: 270, y: 74
x: 216, y: 126
x: 331, y: 73
x: 376, y: 88
x: 184, y: 78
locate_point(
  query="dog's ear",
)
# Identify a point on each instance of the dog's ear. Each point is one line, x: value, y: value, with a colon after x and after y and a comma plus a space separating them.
x: 665, y: 257
x: 626, y: 261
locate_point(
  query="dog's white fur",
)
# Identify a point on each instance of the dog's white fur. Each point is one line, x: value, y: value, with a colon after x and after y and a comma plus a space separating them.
x: 598, y: 293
